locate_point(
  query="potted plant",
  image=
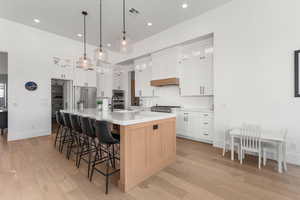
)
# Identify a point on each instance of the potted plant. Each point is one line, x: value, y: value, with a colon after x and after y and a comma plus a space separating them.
x: 99, y: 104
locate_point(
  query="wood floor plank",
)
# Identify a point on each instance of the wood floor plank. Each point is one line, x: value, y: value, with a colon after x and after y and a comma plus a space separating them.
x: 34, y: 170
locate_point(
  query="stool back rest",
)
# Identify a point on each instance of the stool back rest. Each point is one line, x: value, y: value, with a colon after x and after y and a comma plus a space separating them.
x: 103, y: 133
x: 3, y: 120
x: 58, y: 118
x: 75, y: 123
x: 66, y: 118
x: 250, y: 137
x: 92, y: 127
x: 85, y: 126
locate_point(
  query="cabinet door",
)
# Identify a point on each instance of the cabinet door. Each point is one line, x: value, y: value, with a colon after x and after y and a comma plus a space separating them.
x: 91, y: 78
x: 138, y: 83
x: 196, y: 77
x: 195, y: 125
x: 65, y: 73
x: 190, y: 81
x: 165, y: 63
x: 108, y: 84
x: 147, y: 89
x: 80, y: 77
x: 181, y: 123
x: 162, y: 143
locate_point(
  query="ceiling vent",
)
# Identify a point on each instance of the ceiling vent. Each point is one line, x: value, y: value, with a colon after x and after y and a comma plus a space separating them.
x: 134, y: 12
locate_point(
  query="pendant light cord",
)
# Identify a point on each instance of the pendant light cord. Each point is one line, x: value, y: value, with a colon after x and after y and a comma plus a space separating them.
x: 124, y: 21
x: 84, y: 32
x: 101, y: 25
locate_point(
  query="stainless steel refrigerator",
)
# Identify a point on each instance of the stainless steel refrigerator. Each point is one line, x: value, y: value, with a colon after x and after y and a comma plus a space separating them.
x: 86, y: 96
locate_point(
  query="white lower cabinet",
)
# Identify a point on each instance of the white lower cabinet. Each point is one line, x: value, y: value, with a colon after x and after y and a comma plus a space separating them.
x: 195, y: 125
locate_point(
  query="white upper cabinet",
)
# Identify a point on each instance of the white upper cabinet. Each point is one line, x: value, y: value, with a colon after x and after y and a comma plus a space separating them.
x: 84, y: 78
x: 105, y: 83
x: 165, y: 63
x: 119, y: 79
x: 63, y: 69
x: 196, y: 70
x: 143, y: 71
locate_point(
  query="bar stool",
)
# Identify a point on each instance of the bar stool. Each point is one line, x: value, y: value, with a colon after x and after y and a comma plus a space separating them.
x: 89, y: 145
x: 60, y: 129
x: 3, y: 121
x: 76, y: 135
x: 67, y: 136
x: 107, y: 142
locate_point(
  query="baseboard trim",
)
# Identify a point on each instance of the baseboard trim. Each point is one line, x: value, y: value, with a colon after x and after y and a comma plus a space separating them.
x: 26, y: 135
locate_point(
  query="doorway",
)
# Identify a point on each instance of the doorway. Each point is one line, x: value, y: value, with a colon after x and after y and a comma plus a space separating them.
x: 61, y: 98
x: 3, y: 95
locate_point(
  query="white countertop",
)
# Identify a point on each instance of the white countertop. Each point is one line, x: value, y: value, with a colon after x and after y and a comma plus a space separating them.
x: 122, y: 118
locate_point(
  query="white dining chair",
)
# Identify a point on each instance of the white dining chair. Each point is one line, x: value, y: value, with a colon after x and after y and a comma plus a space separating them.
x: 250, y: 141
x: 227, y: 143
x: 272, y: 147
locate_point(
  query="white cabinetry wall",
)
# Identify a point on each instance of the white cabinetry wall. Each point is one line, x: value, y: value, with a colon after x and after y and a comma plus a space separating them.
x: 165, y: 63
x: 120, y: 81
x: 143, y: 70
x: 196, y: 70
x: 65, y: 72
x: 84, y: 78
x: 105, y: 83
x: 195, y: 125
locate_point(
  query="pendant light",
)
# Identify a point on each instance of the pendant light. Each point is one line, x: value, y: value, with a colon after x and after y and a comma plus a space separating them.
x: 84, y: 62
x: 124, y: 44
x: 100, y: 53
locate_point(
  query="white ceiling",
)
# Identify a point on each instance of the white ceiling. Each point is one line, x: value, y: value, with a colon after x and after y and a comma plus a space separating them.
x: 63, y: 17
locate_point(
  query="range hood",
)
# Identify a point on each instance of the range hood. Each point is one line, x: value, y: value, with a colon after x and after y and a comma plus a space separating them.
x: 165, y: 82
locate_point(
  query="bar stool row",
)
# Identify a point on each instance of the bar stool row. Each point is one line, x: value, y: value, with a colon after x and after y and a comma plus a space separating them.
x: 90, y: 141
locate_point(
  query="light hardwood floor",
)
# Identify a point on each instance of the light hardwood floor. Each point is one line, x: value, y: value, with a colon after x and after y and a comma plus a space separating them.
x: 33, y: 170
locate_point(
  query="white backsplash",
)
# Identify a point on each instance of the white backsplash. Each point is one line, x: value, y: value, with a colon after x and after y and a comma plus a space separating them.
x: 169, y: 95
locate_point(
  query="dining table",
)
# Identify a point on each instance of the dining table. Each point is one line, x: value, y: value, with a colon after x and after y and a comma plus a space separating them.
x: 267, y: 136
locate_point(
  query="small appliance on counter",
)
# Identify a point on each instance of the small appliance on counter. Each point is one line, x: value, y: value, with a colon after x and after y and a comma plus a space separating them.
x: 105, y: 105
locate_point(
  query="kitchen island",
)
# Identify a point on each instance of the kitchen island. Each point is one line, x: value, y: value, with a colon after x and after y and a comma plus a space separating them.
x: 147, y: 142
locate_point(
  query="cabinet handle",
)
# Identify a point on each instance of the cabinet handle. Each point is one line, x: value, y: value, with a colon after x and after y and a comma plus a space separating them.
x: 155, y: 127
x: 179, y: 91
x: 205, y: 123
x: 200, y: 90
x: 203, y: 90
x: 152, y: 92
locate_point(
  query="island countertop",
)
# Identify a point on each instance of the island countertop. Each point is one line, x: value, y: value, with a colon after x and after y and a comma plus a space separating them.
x: 122, y: 118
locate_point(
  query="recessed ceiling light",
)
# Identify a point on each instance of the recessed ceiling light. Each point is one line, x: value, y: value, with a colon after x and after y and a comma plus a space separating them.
x: 108, y: 44
x: 149, y: 24
x: 184, y: 5
x: 79, y: 35
x: 37, y: 21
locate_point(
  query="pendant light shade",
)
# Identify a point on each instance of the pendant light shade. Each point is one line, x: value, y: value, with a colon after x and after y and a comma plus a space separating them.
x: 84, y: 62
x: 100, y: 54
x: 124, y: 42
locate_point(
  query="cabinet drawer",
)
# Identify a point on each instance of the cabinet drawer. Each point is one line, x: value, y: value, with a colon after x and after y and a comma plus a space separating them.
x: 205, y: 125
x: 205, y: 134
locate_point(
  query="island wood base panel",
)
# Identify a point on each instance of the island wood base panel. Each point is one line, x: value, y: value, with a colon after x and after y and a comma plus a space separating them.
x: 145, y: 149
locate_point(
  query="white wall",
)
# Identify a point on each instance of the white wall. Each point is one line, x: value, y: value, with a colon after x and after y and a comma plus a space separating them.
x: 30, y: 53
x: 254, y: 42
